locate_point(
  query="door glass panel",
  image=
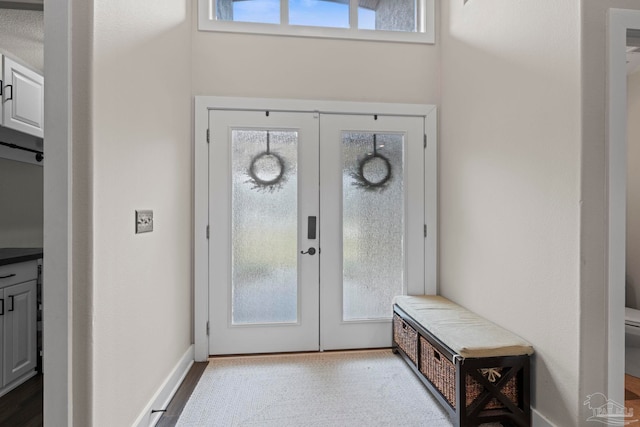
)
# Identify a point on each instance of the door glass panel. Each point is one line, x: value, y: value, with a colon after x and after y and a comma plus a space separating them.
x: 264, y: 227
x: 373, y: 223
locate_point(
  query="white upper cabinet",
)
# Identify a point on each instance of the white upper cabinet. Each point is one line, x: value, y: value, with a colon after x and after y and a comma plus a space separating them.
x: 22, y: 99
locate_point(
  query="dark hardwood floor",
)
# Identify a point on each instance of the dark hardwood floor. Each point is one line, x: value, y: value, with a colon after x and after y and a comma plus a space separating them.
x: 22, y: 407
x: 177, y: 404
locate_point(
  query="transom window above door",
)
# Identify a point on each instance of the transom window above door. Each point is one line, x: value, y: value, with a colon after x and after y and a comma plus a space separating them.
x: 388, y: 20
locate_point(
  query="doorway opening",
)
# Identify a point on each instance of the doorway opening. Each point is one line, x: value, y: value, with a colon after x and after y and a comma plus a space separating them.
x: 623, y: 29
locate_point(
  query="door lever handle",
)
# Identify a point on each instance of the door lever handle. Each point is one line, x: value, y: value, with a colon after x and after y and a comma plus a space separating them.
x: 310, y: 251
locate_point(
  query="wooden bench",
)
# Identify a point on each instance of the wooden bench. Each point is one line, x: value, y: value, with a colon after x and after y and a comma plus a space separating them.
x: 478, y: 371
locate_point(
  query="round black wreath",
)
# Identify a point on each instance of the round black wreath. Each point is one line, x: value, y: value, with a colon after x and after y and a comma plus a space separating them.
x: 266, y: 183
x: 364, y: 182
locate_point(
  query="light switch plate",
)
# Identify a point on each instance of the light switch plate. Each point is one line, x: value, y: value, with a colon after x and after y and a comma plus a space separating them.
x: 144, y: 221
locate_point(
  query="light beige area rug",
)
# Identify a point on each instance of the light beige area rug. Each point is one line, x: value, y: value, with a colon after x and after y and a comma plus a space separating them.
x: 358, y: 388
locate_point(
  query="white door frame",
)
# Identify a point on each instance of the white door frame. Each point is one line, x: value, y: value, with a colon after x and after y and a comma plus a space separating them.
x: 201, y: 191
x: 620, y: 20
x: 58, y: 317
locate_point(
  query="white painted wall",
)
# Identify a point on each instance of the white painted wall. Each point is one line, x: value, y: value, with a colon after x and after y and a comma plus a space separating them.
x: 141, y: 121
x: 510, y: 180
x: 22, y: 36
x: 633, y: 192
x: 22, y: 198
x: 261, y: 66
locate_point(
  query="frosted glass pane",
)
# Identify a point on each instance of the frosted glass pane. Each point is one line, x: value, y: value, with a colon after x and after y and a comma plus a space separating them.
x: 319, y: 13
x: 388, y: 15
x: 264, y: 227
x: 373, y: 224
x: 260, y: 11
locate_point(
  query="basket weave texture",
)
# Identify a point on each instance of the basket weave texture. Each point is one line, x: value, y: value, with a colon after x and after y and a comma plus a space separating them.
x: 442, y: 374
x: 439, y: 370
x: 406, y: 337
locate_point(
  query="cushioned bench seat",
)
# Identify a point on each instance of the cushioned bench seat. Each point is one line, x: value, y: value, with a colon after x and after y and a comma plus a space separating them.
x: 478, y: 371
x: 464, y: 332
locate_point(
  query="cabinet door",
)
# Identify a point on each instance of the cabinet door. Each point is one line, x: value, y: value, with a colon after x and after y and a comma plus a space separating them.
x: 19, y: 330
x: 23, y: 99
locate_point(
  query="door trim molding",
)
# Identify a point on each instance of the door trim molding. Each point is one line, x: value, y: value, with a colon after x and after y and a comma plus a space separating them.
x: 203, y: 104
x: 620, y: 20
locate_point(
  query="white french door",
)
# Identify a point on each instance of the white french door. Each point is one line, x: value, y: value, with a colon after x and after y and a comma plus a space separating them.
x: 372, y: 224
x: 316, y: 222
x: 263, y: 183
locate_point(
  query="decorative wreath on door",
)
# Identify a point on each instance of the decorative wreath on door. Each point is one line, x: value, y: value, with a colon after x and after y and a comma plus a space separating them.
x: 374, y: 170
x: 267, y: 170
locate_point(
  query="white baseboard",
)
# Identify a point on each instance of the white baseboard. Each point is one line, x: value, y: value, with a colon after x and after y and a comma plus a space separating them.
x: 164, y: 394
x: 539, y: 420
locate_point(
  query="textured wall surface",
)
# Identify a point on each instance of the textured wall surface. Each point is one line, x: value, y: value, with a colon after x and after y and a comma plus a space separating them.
x: 21, y: 201
x: 510, y: 180
x: 633, y: 193
x: 22, y: 36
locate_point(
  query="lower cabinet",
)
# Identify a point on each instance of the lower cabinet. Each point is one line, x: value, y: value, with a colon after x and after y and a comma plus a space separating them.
x: 18, y: 329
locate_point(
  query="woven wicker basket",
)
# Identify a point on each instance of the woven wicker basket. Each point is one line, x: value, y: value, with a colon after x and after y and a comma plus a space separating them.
x: 442, y: 374
x: 439, y: 370
x: 406, y: 337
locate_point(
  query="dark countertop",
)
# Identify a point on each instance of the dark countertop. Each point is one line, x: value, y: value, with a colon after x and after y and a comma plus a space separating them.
x: 14, y: 255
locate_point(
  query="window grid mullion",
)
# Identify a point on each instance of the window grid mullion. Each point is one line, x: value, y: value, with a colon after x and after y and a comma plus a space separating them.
x: 353, y: 15
x: 284, y: 12
x: 421, y: 10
